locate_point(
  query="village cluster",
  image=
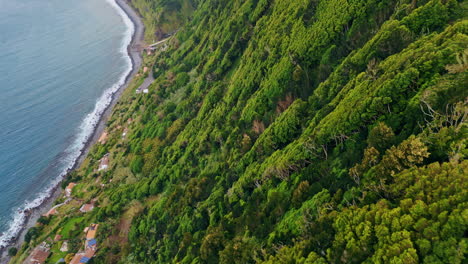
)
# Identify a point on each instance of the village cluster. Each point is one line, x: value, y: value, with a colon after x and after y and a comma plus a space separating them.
x: 40, y: 254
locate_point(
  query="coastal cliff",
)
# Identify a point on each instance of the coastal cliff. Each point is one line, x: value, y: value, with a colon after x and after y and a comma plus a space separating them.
x: 279, y: 132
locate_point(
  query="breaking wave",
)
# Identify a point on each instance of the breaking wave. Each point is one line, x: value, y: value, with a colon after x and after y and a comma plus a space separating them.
x: 86, y: 130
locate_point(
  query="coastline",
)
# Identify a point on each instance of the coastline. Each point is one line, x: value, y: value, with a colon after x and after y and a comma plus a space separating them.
x: 137, y: 39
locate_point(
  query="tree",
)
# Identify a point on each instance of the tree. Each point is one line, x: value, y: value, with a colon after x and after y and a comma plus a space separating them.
x: 69, y: 257
x: 212, y: 244
x: 409, y: 153
x: 43, y: 220
x: 371, y: 157
x: 12, y: 251
x: 381, y: 137
x: 136, y: 164
x: 31, y: 234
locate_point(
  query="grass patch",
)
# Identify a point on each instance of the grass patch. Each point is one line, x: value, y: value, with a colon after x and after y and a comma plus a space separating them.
x: 56, y: 253
x: 70, y: 226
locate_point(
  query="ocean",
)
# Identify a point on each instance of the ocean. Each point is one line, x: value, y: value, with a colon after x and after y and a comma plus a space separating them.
x: 60, y: 62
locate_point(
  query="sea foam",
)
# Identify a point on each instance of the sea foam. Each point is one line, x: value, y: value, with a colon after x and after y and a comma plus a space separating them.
x: 87, y: 127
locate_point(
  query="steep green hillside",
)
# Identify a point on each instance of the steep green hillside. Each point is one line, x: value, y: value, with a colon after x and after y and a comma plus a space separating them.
x: 163, y: 17
x: 290, y: 131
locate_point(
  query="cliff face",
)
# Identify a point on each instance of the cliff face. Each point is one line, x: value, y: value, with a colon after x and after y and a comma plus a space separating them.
x: 289, y: 131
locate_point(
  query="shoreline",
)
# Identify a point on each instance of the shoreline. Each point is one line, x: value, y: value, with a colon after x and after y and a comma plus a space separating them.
x: 137, y: 38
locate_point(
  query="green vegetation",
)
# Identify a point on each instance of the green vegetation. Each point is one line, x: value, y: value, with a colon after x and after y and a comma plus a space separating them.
x: 12, y: 251
x: 163, y: 17
x: 71, y: 227
x: 286, y: 131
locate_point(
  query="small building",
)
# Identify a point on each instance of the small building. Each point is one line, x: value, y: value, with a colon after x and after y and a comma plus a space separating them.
x: 82, y: 257
x: 125, y: 131
x: 77, y: 258
x: 92, y: 232
x: 84, y: 260
x: 52, y: 211
x: 103, y: 138
x: 145, y: 69
x: 39, y: 254
x: 86, y: 208
x: 104, y: 162
x: 64, y: 247
x: 90, y: 252
x: 91, y: 244
x: 57, y: 238
x: 69, y: 189
x: 145, y: 91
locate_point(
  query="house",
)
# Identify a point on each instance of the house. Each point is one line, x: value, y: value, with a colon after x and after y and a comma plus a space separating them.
x: 57, y: 238
x: 69, y: 189
x: 125, y: 131
x: 39, y: 254
x: 104, y: 162
x: 52, y: 211
x: 84, y: 259
x: 91, y: 244
x: 145, y: 91
x: 64, y: 247
x: 103, y: 138
x: 89, y: 253
x: 145, y: 69
x: 77, y: 258
x: 86, y: 208
x: 92, y: 232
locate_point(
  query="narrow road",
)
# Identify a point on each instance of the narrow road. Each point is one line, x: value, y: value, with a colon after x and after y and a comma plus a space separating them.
x: 159, y: 42
x: 146, y: 83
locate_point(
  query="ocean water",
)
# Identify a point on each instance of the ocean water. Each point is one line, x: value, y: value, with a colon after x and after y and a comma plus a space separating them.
x: 60, y: 61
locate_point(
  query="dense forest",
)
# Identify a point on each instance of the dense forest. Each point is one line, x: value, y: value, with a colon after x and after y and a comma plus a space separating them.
x: 286, y: 131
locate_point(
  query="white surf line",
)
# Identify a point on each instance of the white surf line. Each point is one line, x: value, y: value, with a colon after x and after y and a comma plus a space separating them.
x: 87, y: 127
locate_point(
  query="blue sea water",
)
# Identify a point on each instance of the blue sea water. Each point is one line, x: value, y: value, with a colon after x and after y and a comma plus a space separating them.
x: 60, y: 60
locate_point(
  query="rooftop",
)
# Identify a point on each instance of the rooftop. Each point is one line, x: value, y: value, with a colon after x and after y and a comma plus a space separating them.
x: 76, y: 259
x: 70, y: 186
x: 92, y: 242
x: 86, y: 208
x: 38, y: 256
x: 103, y: 138
x: 52, y: 211
x: 92, y: 231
